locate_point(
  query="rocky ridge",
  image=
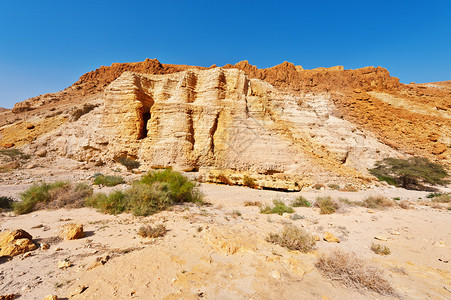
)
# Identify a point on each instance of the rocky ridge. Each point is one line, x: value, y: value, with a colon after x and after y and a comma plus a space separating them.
x: 286, y: 126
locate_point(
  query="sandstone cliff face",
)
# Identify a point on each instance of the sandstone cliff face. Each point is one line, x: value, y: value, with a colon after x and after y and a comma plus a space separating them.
x: 281, y: 123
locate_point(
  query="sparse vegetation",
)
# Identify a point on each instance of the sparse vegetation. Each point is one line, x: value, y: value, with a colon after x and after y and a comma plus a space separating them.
x: 129, y: 163
x: 293, y: 238
x: 295, y: 217
x: 300, y: 202
x: 376, y: 202
x: 155, y: 191
x: 442, y: 198
x: 252, y: 203
x: 380, y: 249
x: 108, y: 180
x: 279, y: 208
x: 410, y: 173
x: 249, y: 182
x: 333, y: 186
x: 353, y: 272
x: 326, y: 205
x: 224, y: 180
x: 152, y: 232
x: 14, y: 154
x: 318, y: 186
x: 52, y: 196
x: 236, y: 213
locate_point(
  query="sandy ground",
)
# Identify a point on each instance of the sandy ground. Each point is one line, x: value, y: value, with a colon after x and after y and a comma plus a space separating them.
x: 219, y: 251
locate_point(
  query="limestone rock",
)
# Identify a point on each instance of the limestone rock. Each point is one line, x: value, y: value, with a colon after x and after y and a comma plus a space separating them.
x: 41, y: 153
x: 64, y: 264
x: 72, y: 231
x: 380, y: 238
x: 329, y: 237
x: 15, y: 242
x: 51, y: 297
x: 78, y: 290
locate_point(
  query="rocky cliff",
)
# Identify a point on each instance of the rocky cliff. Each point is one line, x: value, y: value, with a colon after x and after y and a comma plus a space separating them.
x: 285, y: 126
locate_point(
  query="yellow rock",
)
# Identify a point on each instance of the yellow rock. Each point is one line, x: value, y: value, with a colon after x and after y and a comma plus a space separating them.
x: 72, y: 231
x: 64, y: 264
x: 50, y: 297
x: 380, y: 237
x: 329, y: 237
x: 15, y: 242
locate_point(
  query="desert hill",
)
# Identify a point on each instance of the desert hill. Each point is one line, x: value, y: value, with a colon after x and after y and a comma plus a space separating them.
x: 286, y: 126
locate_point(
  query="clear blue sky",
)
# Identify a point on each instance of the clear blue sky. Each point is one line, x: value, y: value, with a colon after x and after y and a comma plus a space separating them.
x: 45, y: 46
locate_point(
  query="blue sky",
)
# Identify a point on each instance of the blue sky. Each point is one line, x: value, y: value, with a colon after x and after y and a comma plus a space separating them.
x: 45, y: 46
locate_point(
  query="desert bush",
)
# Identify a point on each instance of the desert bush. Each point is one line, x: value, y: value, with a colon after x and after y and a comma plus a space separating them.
x: 333, y: 186
x: 353, y: 272
x: 380, y: 249
x: 376, y: 202
x: 14, y: 154
x: 6, y: 202
x: 318, y: 186
x: 279, y: 208
x: 326, y: 205
x: 404, y: 204
x: 252, y: 203
x: 348, y: 188
x: 295, y: 217
x: 108, y: 180
x: 76, y: 114
x: 155, y: 191
x: 442, y: 198
x: 346, y: 201
x: 52, y: 196
x: 114, y: 203
x: 249, y: 182
x: 293, y: 238
x: 147, y: 199
x: 410, y: 173
x: 129, y: 163
x: 224, y: 180
x: 300, y: 202
x: 179, y: 188
x: 152, y: 232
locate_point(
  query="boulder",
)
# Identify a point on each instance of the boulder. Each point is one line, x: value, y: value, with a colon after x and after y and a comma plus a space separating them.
x: 15, y: 242
x: 329, y: 237
x: 51, y: 297
x: 72, y: 231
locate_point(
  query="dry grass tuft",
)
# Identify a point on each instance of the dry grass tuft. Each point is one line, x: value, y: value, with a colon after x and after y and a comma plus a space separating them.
x: 152, y: 232
x: 380, y: 249
x: 326, y: 205
x: 293, y: 238
x: 377, y: 202
x: 252, y: 203
x: 353, y: 272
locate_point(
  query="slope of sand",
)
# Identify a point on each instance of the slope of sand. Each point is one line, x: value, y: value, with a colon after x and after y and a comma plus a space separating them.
x: 215, y: 253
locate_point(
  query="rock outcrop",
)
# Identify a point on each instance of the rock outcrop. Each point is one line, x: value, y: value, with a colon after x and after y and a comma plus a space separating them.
x: 15, y: 242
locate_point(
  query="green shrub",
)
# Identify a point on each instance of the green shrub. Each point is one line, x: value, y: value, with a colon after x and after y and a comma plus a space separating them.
x: 52, y: 196
x: 14, y: 153
x: 293, y: 238
x: 6, y: 202
x: 410, y: 173
x: 326, y: 205
x: 155, y: 191
x: 108, y: 180
x: 443, y: 198
x: 333, y: 186
x: 249, y: 182
x: 114, y: 203
x: 179, y: 188
x: 318, y: 186
x: 376, y: 202
x: 300, y: 202
x: 129, y: 163
x: 279, y: 208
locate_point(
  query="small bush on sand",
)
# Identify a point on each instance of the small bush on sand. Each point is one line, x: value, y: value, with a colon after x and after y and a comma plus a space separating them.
x: 376, y: 202
x: 353, y: 272
x: 6, y: 202
x: 252, y: 203
x: 300, y: 202
x: 108, y: 180
x: 179, y: 188
x: 14, y: 154
x: 442, y: 198
x: 129, y: 163
x: 279, y: 208
x: 52, y: 196
x: 249, y: 182
x: 114, y: 203
x: 333, y: 186
x: 293, y: 238
x: 155, y: 191
x: 152, y: 232
x: 380, y: 249
x: 326, y: 205
x: 318, y: 186
x: 224, y: 180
